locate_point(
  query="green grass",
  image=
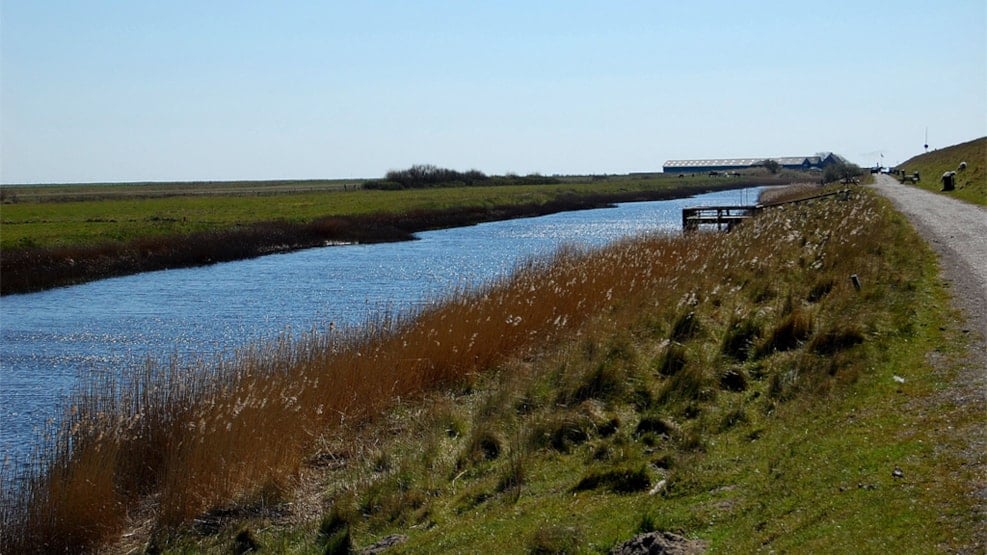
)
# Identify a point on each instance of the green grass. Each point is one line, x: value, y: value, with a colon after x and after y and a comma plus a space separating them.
x: 809, y: 475
x: 542, y: 415
x: 118, y: 214
x: 63, y: 235
x: 64, y: 192
x: 971, y: 183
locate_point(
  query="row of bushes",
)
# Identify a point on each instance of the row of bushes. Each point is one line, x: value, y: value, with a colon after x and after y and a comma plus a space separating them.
x: 422, y: 176
x: 842, y: 171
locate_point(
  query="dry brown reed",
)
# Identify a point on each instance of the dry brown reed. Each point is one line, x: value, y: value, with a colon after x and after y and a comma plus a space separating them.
x: 175, y: 441
x: 788, y: 193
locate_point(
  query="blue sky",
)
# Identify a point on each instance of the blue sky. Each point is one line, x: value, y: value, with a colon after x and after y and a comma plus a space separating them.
x: 100, y: 91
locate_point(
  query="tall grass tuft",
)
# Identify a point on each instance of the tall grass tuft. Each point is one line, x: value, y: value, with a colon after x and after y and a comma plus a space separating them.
x: 794, y: 330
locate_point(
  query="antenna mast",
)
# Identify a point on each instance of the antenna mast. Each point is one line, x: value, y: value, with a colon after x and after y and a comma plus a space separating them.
x: 927, y: 139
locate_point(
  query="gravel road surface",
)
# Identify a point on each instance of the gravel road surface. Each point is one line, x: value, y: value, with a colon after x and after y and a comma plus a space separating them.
x: 957, y: 231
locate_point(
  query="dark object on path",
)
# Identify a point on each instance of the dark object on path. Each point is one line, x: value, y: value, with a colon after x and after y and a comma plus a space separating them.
x: 659, y: 543
x: 948, y: 181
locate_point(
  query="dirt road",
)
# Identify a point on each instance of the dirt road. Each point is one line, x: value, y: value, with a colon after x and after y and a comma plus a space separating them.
x: 957, y: 231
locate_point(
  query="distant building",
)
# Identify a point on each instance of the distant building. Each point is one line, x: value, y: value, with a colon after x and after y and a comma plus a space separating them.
x: 804, y: 163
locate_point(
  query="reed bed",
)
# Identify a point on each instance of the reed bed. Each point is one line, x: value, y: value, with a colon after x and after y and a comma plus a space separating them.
x: 795, y: 191
x: 176, y: 440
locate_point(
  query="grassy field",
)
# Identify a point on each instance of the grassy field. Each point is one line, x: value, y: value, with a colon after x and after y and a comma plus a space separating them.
x: 971, y: 183
x: 734, y: 388
x: 66, y: 192
x: 92, y: 214
x: 59, y: 240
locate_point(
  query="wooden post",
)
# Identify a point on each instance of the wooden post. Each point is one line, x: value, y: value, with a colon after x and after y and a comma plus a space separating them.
x: 856, y: 281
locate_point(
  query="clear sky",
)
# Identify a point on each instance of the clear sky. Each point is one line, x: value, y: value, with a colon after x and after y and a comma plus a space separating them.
x: 100, y: 91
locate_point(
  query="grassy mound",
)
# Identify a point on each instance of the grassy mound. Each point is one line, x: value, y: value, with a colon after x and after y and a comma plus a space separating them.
x: 971, y: 182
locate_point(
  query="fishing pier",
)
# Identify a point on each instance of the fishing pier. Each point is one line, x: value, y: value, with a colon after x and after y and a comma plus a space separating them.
x: 728, y: 216
x: 723, y: 217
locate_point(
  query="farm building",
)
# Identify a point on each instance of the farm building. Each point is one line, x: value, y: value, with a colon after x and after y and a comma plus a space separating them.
x: 805, y: 163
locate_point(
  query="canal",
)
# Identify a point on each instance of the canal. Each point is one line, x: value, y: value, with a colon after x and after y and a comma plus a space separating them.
x: 52, y: 342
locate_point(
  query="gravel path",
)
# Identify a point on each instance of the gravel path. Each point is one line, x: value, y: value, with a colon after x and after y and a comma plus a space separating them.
x: 957, y: 231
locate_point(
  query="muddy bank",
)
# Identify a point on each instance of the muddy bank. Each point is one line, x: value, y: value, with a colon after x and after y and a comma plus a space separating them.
x: 36, y: 269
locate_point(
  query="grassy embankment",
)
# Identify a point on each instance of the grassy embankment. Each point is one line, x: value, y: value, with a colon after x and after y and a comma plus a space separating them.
x: 735, y: 388
x: 971, y: 183
x: 91, y: 232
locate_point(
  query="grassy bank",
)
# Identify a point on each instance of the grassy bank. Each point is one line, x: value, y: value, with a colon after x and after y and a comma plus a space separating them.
x: 736, y: 388
x: 47, y: 244
x: 92, y: 215
x: 971, y: 182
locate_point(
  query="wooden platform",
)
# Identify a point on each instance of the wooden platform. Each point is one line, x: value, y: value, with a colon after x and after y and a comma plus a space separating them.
x: 728, y: 216
x: 723, y: 217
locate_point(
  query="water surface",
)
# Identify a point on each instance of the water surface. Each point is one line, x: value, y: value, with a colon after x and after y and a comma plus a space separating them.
x: 52, y: 341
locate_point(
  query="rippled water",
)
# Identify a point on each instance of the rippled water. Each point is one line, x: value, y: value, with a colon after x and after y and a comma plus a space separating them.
x: 52, y: 341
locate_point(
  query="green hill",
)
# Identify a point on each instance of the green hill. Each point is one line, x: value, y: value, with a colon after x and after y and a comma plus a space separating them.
x: 971, y: 183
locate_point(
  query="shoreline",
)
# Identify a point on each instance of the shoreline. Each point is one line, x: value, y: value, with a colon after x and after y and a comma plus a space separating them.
x: 31, y: 270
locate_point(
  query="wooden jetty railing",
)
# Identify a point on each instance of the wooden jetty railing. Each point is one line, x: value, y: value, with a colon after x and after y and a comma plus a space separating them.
x: 723, y: 217
x: 726, y: 217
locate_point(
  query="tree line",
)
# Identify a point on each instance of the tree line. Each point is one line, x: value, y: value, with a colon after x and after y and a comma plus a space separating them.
x: 422, y: 176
